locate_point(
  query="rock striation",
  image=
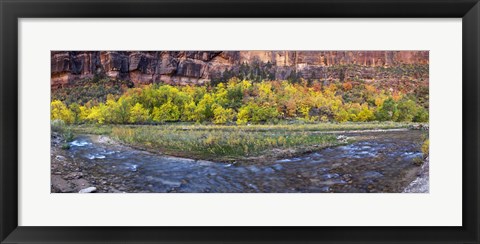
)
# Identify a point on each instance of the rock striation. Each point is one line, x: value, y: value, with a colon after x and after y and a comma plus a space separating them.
x: 198, y: 67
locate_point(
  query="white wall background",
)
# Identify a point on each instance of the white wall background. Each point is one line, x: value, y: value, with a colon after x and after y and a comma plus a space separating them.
x: 442, y: 206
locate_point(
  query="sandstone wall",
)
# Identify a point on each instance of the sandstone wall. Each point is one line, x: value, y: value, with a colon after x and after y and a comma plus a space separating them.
x: 198, y: 67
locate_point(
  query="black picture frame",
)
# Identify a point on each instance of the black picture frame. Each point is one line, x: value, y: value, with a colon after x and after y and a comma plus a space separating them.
x: 12, y: 10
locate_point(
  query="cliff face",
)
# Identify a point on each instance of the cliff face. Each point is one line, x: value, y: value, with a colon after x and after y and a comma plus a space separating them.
x: 198, y: 67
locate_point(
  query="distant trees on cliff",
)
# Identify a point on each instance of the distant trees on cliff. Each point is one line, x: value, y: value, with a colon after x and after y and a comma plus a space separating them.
x: 256, y: 72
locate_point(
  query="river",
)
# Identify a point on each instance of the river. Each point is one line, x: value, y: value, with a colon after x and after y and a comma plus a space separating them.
x: 375, y: 162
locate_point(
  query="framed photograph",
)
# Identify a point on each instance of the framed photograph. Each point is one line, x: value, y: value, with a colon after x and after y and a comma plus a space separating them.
x: 228, y: 121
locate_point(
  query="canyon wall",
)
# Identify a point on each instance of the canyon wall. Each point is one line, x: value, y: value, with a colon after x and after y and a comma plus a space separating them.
x: 198, y: 67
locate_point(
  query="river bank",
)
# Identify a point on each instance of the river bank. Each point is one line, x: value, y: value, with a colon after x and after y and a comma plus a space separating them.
x: 71, y: 174
x: 223, y: 143
x: 66, y: 173
x: 378, y: 161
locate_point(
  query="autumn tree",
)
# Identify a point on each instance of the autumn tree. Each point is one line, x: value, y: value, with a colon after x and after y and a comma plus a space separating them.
x: 167, y: 112
x: 58, y: 110
x: 138, y: 114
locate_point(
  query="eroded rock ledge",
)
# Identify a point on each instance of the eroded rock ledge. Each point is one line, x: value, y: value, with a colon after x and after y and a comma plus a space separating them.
x: 198, y: 67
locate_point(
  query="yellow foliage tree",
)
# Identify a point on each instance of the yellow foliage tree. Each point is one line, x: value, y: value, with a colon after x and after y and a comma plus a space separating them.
x: 138, y: 114
x: 243, y: 115
x: 189, y: 111
x: 58, y: 110
x: 365, y: 114
x: 222, y: 115
x: 341, y: 116
x: 84, y: 112
x: 98, y: 114
x: 167, y: 112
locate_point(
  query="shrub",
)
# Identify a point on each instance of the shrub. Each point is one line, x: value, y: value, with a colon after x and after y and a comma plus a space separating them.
x: 57, y: 125
x: 243, y: 115
x: 65, y: 146
x: 418, y: 161
x: 421, y: 116
x: 426, y: 148
x: 68, y: 135
x: 347, y: 86
x: 60, y: 127
x: 341, y: 116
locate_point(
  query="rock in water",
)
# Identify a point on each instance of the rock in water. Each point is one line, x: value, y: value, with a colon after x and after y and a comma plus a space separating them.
x: 88, y: 190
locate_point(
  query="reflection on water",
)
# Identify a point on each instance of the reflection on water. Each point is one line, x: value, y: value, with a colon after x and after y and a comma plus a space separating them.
x: 377, y: 162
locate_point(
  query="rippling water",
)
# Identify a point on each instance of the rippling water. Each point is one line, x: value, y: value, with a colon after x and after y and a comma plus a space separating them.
x: 376, y: 162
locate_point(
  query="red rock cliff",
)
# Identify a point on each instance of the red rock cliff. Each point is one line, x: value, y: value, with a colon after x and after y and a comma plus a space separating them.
x: 198, y: 67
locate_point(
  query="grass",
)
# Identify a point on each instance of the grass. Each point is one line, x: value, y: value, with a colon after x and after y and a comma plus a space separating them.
x: 301, y: 127
x: 92, y: 129
x: 230, y: 143
x: 66, y: 132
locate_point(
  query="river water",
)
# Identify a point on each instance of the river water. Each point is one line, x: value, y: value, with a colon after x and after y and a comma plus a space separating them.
x: 375, y: 162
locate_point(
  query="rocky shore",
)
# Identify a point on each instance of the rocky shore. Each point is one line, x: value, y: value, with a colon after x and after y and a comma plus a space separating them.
x: 68, y: 173
x: 421, y: 183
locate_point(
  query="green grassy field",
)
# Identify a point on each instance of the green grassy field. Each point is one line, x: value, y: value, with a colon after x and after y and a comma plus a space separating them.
x: 230, y: 143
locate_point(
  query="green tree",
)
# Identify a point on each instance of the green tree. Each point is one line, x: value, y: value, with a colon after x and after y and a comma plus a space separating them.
x: 407, y: 109
x: 204, y: 110
x: 166, y: 112
x: 118, y: 112
x: 256, y: 114
x: 75, y: 108
x: 388, y: 111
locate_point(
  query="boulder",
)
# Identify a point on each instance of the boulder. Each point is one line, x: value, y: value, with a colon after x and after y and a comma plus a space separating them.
x: 88, y: 190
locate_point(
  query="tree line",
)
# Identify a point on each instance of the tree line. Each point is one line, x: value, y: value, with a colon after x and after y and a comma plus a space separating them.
x: 240, y: 101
